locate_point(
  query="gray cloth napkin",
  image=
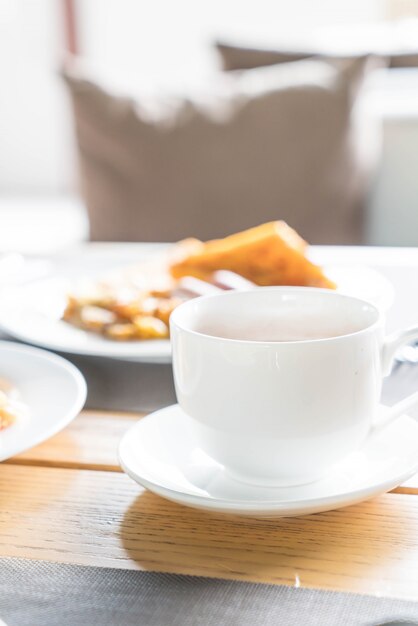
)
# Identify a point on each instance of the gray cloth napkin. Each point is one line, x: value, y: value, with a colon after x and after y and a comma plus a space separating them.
x: 125, y: 386
x: 37, y: 593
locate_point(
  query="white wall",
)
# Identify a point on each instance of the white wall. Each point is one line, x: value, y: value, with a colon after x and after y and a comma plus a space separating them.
x: 158, y: 42
x: 150, y: 38
x: 35, y: 136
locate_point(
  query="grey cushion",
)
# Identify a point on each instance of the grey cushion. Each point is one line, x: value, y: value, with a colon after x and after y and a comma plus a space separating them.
x: 283, y: 142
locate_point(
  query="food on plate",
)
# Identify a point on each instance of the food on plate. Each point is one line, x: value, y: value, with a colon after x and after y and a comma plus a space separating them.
x: 270, y: 254
x: 9, y: 409
x: 136, y: 303
x: 121, y: 314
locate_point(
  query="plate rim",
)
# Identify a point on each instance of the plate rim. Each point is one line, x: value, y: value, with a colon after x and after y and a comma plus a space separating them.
x: 72, y: 411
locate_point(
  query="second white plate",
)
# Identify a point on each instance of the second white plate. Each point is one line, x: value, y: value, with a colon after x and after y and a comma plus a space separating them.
x: 32, y: 313
x: 52, y: 392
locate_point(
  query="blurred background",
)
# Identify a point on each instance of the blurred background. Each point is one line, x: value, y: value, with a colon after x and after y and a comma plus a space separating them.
x: 129, y: 120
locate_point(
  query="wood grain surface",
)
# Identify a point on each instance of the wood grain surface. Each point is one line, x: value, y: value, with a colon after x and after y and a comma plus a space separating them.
x: 67, y: 501
x: 89, y: 442
x: 104, y: 519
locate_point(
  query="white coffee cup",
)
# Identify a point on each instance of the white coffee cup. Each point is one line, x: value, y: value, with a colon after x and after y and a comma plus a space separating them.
x: 273, y: 406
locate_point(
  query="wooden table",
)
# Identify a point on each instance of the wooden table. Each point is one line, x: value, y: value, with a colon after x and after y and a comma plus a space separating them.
x: 68, y: 501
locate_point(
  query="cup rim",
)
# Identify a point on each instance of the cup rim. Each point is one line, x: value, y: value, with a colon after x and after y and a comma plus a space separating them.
x: 278, y: 288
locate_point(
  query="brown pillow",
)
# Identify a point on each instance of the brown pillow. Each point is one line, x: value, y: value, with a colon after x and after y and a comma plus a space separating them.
x: 283, y: 142
x: 241, y: 58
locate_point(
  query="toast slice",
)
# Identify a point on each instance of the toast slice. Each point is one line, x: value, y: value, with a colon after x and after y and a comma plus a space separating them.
x: 270, y: 254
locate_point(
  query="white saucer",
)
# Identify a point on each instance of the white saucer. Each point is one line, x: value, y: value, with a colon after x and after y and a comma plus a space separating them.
x: 160, y: 453
x: 50, y: 389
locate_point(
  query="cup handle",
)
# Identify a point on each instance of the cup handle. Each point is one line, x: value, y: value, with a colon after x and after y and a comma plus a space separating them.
x: 390, y: 346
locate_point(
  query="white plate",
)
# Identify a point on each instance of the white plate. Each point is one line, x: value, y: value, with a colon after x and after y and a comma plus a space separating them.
x: 160, y: 453
x: 32, y: 312
x: 51, y: 390
x: 364, y: 283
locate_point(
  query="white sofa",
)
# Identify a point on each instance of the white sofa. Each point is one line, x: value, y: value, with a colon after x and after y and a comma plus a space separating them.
x: 393, y: 203
x: 47, y: 223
